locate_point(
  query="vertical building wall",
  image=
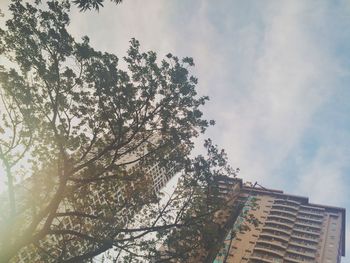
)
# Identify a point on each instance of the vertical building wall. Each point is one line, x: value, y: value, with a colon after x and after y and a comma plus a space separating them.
x: 331, y: 247
x: 160, y: 176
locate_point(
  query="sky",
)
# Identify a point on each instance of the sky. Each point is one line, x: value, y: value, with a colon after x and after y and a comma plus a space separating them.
x: 277, y: 74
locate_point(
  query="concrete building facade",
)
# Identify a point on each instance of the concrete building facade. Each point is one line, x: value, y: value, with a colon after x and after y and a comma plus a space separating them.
x: 291, y: 230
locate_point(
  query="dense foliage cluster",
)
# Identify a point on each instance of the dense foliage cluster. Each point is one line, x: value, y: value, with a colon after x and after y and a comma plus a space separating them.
x: 78, y: 135
x: 85, y: 5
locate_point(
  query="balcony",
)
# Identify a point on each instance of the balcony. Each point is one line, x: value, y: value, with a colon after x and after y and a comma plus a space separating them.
x: 278, y: 224
x: 308, y: 223
x: 286, y: 221
x: 311, y: 215
x: 289, y: 201
x: 291, y: 257
x: 302, y: 243
x: 307, y: 230
x: 313, y: 208
x: 309, y: 235
x: 261, y: 257
x: 275, y: 227
x: 274, y: 236
x: 305, y: 237
x: 269, y: 249
x: 283, y: 215
x: 284, y: 210
x: 311, y: 212
x: 311, y: 218
x: 296, y: 260
x: 273, y: 242
x: 287, y: 207
x: 301, y: 251
x: 314, y: 227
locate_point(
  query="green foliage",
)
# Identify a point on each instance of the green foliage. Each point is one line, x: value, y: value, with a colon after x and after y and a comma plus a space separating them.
x: 198, y: 200
x: 88, y: 132
x: 85, y: 5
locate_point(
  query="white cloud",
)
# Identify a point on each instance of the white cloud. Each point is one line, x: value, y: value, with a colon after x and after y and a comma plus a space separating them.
x: 323, y: 178
x: 113, y: 26
x: 267, y: 74
x: 289, y: 82
x: 266, y: 71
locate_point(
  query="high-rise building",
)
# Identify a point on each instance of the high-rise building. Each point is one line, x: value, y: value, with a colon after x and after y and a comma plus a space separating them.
x: 291, y: 230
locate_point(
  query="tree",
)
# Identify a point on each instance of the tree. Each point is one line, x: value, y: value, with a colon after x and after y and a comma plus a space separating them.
x: 85, y: 5
x: 189, y: 224
x: 83, y: 125
x: 208, y: 211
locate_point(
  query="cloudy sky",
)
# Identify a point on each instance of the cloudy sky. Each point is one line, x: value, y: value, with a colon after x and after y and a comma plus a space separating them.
x: 277, y: 73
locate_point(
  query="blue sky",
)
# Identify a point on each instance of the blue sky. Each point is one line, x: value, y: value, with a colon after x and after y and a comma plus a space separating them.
x: 277, y: 73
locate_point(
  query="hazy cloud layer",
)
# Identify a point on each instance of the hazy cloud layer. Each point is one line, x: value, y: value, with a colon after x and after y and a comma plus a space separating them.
x: 270, y: 70
x: 277, y: 73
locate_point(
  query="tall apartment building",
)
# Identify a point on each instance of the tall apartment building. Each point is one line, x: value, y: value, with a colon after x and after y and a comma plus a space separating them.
x: 291, y: 230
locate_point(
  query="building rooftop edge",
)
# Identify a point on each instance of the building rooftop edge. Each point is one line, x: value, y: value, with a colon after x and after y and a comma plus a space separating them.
x: 305, y: 200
